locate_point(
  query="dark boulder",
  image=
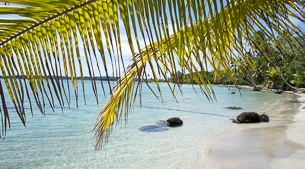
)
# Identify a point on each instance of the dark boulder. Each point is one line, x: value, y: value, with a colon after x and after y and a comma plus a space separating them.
x: 174, y: 122
x: 251, y: 117
x: 248, y: 117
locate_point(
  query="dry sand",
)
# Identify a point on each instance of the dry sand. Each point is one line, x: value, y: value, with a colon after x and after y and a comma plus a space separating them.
x: 276, y: 145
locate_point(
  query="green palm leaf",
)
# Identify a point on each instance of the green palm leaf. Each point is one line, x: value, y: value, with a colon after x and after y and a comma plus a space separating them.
x: 45, y: 45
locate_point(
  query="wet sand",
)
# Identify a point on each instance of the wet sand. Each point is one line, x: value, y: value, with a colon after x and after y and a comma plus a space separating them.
x: 279, y: 144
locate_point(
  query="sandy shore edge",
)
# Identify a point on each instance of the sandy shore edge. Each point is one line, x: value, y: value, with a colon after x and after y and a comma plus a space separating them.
x: 260, y: 146
x: 295, y: 133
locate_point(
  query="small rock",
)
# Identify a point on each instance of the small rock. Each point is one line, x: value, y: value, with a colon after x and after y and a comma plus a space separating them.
x: 234, y: 107
x: 174, y: 122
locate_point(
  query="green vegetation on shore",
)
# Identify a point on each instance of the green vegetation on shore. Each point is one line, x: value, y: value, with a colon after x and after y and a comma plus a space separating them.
x: 284, y: 67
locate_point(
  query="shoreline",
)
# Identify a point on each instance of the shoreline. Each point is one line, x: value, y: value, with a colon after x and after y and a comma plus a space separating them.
x: 277, y: 145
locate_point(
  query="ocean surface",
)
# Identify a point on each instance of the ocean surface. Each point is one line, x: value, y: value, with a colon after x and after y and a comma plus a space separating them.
x: 66, y: 140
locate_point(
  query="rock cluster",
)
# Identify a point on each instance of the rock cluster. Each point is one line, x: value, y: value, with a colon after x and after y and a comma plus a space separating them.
x: 251, y: 117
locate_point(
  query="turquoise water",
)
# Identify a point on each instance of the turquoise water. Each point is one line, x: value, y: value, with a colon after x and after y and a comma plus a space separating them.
x: 66, y: 140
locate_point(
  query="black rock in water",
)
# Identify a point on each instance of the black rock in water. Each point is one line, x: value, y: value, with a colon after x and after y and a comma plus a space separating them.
x: 234, y: 107
x: 174, y: 122
x: 251, y: 117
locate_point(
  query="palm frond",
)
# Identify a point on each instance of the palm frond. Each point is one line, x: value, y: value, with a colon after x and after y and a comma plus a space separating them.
x: 45, y: 48
x: 218, y: 39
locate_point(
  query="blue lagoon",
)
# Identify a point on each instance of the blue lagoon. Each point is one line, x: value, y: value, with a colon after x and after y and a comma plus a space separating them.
x: 66, y: 140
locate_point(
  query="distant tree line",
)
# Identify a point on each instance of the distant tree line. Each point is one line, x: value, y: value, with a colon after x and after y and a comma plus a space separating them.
x: 111, y: 78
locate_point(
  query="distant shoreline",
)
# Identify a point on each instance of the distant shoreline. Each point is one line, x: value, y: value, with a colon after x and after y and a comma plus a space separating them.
x: 104, y: 78
x: 112, y: 78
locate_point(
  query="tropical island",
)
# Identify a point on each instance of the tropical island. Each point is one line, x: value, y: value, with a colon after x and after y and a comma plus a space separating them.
x: 63, y: 59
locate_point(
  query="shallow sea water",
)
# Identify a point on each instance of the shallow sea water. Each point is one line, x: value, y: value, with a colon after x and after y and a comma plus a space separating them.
x: 66, y: 140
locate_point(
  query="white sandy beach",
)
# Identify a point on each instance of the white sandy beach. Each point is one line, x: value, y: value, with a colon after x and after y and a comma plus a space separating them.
x: 276, y: 145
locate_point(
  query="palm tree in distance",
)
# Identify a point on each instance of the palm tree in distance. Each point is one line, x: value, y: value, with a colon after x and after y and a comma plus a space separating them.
x: 51, y: 42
